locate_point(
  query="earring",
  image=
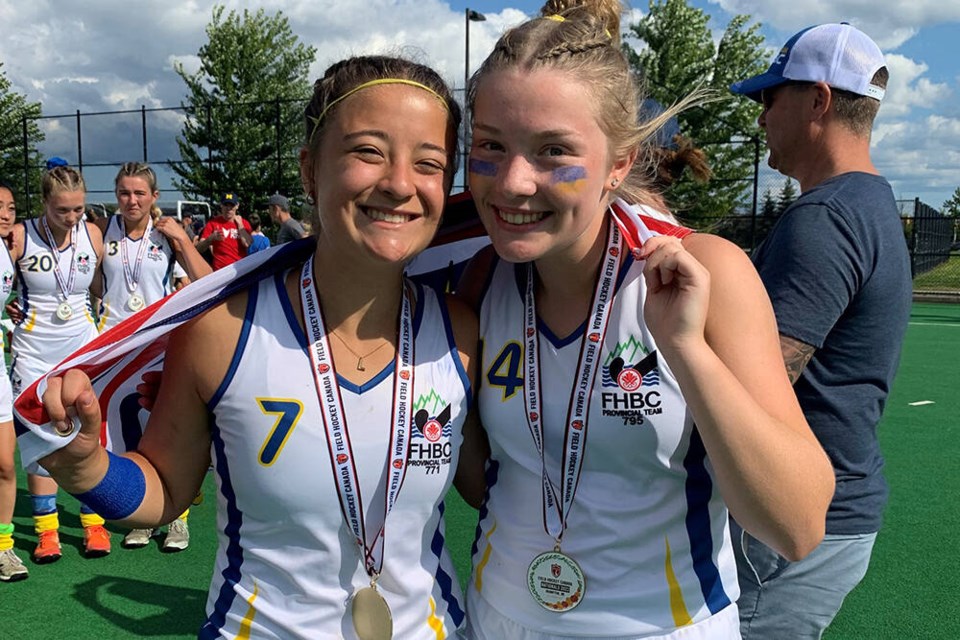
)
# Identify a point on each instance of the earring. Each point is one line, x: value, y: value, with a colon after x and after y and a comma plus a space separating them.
x: 614, y: 183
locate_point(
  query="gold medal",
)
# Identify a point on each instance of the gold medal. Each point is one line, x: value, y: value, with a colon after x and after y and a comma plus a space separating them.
x: 64, y: 311
x: 556, y: 581
x: 136, y: 302
x: 372, y: 619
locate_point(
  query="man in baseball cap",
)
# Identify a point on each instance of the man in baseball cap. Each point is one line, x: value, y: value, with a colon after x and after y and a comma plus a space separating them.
x: 228, y: 235
x: 837, y: 270
x: 838, y: 55
x: 288, y: 227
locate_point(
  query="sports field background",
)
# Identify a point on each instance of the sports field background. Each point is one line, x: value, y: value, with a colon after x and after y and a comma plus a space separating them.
x: 912, y: 590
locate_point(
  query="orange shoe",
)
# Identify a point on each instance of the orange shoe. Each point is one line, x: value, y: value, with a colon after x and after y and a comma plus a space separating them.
x: 96, y: 541
x: 48, y: 547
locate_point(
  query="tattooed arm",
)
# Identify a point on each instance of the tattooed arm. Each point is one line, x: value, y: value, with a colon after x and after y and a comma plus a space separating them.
x: 796, y: 355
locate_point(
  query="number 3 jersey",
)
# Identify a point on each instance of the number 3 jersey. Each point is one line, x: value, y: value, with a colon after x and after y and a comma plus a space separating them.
x: 42, y: 339
x: 158, y: 268
x: 287, y: 563
x: 647, y: 525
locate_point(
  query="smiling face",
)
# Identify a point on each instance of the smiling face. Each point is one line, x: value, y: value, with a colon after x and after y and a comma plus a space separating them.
x: 540, y: 167
x: 8, y: 212
x: 134, y: 199
x: 380, y: 173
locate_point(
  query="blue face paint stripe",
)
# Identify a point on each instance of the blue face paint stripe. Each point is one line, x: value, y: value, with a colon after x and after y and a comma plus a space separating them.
x: 568, y: 174
x: 482, y: 167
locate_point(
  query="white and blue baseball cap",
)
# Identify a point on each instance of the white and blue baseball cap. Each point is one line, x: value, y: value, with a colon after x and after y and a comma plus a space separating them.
x: 837, y: 54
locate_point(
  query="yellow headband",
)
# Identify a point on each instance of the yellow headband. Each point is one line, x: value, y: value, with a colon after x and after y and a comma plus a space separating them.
x: 372, y: 83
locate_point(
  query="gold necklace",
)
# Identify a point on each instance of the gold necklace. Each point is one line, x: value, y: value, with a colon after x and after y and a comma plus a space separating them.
x: 360, y: 358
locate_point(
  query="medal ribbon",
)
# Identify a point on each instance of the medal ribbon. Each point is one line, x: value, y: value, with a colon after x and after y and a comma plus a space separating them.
x: 65, y: 287
x: 335, y: 419
x: 555, y: 512
x: 132, y: 276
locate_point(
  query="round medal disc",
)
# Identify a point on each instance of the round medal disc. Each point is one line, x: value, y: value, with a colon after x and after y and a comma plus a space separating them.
x: 136, y: 302
x: 371, y: 615
x: 64, y: 311
x: 556, y: 581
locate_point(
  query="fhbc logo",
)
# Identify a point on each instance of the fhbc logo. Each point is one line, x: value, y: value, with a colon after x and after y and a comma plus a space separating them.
x: 634, y: 389
x: 430, y: 441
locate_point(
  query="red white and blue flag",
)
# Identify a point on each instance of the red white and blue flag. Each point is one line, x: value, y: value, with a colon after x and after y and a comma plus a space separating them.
x: 117, y: 360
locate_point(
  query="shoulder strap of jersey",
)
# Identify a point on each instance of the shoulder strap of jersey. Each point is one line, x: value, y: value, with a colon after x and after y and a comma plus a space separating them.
x: 638, y: 224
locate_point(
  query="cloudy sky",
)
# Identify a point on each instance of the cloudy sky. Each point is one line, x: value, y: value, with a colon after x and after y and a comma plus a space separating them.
x: 110, y: 55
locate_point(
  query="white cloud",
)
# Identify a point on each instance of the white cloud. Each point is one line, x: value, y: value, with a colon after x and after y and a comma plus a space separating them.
x: 889, y: 22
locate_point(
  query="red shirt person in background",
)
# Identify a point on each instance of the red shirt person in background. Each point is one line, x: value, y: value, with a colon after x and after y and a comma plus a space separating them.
x: 226, y: 235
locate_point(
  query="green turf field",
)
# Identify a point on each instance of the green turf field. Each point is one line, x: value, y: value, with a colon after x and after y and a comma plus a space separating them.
x: 912, y: 590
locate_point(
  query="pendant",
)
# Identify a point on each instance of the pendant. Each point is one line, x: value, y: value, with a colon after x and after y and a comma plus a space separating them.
x: 136, y: 302
x: 372, y: 619
x: 360, y: 366
x: 64, y: 311
x: 556, y: 581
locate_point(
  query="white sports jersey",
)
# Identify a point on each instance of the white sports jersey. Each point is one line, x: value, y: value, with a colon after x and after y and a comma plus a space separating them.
x: 157, y: 272
x: 647, y: 526
x: 7, y: 275
x: 287, y: 563
x: 42, y: 339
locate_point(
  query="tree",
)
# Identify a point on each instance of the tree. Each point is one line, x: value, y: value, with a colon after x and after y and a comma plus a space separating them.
x: 246, y: 102
x: 788, y: 193
x: 680, y: 54
x: 22, y: 173
x: 951, y: 207
x: 768, y: 207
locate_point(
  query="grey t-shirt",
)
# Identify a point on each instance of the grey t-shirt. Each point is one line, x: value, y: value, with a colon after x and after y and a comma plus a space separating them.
x: 290, y: 230
x: 837, y: 269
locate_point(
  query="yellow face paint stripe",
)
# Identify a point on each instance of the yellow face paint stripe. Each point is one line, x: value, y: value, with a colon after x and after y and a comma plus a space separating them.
x: 478, y: 580
x: 247, y: 622
x: 681, y: 617
x: 434, y: 622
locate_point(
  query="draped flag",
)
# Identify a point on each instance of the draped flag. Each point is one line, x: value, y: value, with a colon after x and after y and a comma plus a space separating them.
x: 117, y: 360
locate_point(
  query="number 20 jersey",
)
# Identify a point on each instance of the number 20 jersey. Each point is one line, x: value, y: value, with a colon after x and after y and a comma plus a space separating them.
x: 647, y: 526
x: 287, y: 563
x: 42, y: 339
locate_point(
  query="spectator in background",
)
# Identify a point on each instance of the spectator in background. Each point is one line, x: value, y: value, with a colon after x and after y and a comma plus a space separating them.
x: 838, y: 273
x: 260, y: 241
x: 226, y: 235
x: 290, y: 229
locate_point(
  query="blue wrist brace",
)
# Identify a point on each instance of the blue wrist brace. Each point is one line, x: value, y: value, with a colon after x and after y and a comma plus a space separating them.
x: 120, y: 492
